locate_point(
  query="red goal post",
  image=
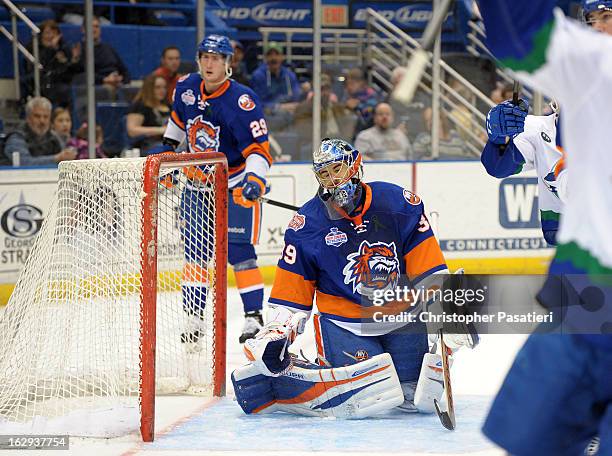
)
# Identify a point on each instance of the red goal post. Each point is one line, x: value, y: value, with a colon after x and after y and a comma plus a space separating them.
x: 154, y: 164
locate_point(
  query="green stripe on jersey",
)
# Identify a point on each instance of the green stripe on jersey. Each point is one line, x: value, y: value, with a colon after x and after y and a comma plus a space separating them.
x: 549, y: 215
x: 536, y: 58
x: 582, y: 259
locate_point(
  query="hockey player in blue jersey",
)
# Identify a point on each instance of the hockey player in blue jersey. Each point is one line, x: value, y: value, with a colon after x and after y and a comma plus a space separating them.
x: 348, y: 243
x: 557, y: 396
x: 213, y: 113
x: 519, y: 142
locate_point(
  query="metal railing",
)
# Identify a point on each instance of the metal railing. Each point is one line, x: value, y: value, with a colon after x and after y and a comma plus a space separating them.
x: 337, y: 45
x: 12, y: 36
x: 388, y: 47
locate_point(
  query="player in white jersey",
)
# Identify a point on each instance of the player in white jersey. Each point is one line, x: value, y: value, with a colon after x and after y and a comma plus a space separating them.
x: 519, y: 142
x: 558, y: 394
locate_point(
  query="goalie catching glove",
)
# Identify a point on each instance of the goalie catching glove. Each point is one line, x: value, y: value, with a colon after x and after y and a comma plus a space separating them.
x: 268, y: 351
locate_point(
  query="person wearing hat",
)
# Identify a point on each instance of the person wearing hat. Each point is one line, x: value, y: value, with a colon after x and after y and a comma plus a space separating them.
x: 239, y: 70
x: 277, y: 86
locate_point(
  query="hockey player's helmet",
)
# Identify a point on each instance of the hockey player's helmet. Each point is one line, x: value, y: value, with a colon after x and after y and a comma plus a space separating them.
x: 337, y: 166
x: 216, y: 44
x: 591, y: 6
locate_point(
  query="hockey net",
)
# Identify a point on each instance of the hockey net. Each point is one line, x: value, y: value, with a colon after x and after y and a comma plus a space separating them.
x: 101, y: 319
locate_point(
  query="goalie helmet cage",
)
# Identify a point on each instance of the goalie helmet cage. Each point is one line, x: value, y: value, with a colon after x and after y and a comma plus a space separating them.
x: 122, y: 296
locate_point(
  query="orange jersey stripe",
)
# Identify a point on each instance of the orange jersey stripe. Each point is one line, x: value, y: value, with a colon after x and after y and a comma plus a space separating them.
x: 256, y: 221
x: 262, y: 148
x: 175, y: 118
x: 292, y: 287
x: 342, y: 307
x: 248, y: 278
x: 195, y: 273
x: 423, y: 257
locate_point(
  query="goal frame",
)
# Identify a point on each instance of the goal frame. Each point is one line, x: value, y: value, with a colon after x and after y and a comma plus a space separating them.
x: 148, y: 289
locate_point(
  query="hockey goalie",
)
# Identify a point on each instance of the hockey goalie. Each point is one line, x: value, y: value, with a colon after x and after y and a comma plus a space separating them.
x: 348, y: 244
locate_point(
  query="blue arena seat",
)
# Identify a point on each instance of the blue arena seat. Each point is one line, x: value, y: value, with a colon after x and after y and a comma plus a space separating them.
x: 110, y: 116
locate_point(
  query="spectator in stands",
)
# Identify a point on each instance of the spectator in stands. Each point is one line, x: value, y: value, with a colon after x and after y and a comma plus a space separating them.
x: 451, y: 143
x: 81, y: 145
x: 168, y: 69
x: 408, y: 118
x: 501, y: 92
x: 277, y: 87
x: 148, y: 115
x: 239, y: 69
x: 109, y: 68
x: 383, y: 141
x: 136, y: 15
x: 59, y: 65
x: 61, y: 125
x: 334, y: 122
x: 360, y: 99
x: 36, y: 144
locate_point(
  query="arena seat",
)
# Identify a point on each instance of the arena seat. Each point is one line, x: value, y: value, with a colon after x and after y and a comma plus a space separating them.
x: 110, y: 116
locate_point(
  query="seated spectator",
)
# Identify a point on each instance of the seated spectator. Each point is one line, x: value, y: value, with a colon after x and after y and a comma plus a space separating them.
x: 61, y: 125
x: 239, y: 69
x: 109, y: 68
x: 81, y: 145
x: 408, y: 117
x: 148, y: 115
x: 168, y: 69
x: 501, y: 93
x: 334, y: 122
x: 59, y: 65
x: 277, y: 87
x: 451, y: 143
x: 360, y: 99
x: 382, y: 141
x: 36, y: 144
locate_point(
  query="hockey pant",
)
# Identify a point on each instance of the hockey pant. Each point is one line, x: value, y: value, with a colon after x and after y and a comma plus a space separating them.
x: 339, y: 347
x: 556, y: 397
x: 197, y: 231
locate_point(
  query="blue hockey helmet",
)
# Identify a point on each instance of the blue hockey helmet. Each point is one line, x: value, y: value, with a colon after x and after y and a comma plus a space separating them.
x: 337, y: 167
x: 216, y: 44
x: 591, y: 6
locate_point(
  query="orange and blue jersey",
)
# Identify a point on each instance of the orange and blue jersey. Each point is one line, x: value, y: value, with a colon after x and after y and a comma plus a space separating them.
x: 229, y: 120
x: 341, y: 262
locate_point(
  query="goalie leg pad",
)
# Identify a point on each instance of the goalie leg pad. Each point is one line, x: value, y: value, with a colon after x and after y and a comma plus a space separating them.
x: 356, y: 391
x: 431, y: 383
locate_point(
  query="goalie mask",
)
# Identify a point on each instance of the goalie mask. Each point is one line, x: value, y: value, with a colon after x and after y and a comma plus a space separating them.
x: 337, y: 166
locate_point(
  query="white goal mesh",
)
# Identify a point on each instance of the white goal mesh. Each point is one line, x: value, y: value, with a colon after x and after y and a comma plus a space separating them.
x: 77, y: 337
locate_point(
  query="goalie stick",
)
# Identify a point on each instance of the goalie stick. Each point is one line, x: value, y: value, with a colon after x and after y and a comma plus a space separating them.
x: 420, y: 58
x: 447, y: 418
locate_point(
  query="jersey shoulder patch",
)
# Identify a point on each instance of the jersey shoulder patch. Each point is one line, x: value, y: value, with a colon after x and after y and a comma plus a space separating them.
x: 393, y: 198
x: 189, y: 81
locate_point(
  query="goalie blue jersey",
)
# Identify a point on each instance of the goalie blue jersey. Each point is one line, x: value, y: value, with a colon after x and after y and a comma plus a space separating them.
x: 344, y: 262
x: 230, y: 121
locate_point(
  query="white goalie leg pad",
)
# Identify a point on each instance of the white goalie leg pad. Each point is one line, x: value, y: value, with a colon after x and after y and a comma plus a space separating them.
x: 351, y: 392
x: 431, y: 383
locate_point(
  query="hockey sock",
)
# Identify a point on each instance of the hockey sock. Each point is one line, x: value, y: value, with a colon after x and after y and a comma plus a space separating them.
x: 194, y: 287
x: 250, y: 285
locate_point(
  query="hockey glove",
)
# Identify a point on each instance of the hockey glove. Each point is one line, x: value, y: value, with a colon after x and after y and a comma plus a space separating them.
x: 505, y: 121
x: 268, y: 351
x: 251, y: 188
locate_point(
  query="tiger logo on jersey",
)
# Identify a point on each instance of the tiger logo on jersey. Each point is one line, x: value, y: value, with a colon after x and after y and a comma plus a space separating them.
x: 202, y: 135
x: 373, y: 267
